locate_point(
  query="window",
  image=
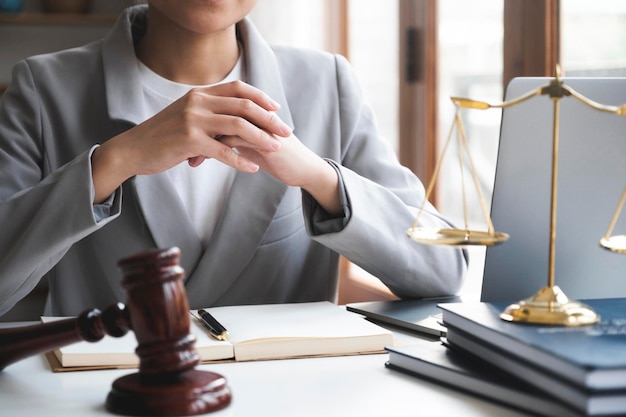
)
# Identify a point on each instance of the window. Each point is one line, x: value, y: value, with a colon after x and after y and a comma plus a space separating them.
x: 593, y: 36
x: 470, y: 65
x: 373, y: 47
x: 291, y: 22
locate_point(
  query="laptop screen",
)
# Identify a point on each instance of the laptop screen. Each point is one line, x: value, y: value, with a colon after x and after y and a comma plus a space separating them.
x: 591, y: 178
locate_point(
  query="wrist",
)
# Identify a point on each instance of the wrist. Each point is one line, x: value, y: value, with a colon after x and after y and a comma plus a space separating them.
x: 108, y: 171
x: 324, y: 188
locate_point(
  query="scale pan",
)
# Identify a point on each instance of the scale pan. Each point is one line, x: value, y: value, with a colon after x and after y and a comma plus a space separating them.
x: 614, y: 243
x: 455, y: 237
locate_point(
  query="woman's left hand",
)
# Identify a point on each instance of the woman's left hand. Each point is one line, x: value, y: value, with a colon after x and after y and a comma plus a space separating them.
x: 296, y: 165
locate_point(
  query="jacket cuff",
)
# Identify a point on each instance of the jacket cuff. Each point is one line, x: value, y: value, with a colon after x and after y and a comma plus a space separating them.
x: 317, y: 220
x: 112, y: 206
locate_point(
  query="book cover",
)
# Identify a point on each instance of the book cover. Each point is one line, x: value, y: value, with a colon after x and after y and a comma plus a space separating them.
x: 421, y: 316
x: 433, y: 361
x: 590, y: 357
x: 257, y: 332
x: 591, y: 403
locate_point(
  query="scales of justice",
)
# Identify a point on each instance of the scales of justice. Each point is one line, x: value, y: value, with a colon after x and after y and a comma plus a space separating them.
x: 550, y: 305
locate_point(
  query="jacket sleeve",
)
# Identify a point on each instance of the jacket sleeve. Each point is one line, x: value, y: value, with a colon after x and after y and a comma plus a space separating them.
x: 43, y: 210
x: 381, y: 200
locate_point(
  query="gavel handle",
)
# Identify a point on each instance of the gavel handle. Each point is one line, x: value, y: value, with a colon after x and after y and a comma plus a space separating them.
x: 17, y: 343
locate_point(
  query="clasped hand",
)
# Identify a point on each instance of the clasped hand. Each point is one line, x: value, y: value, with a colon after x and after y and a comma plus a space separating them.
x: 233, y: 122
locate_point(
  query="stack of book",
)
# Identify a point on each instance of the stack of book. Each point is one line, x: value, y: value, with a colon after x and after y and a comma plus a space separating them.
x: 579, y: 369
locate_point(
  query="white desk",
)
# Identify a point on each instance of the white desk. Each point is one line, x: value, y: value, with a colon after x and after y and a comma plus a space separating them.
x: 338, y: 386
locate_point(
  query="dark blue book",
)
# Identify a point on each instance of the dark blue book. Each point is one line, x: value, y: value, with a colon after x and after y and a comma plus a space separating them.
x: 586, y: 402
x: 590, y: 358
x: 434, y: 362
x: 421, y: 316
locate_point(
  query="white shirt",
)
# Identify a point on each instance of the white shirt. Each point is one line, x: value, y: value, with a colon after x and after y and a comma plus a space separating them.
x: 203, y: 190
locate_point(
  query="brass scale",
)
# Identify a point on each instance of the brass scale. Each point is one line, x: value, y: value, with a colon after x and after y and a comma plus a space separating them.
x: 549, y: 305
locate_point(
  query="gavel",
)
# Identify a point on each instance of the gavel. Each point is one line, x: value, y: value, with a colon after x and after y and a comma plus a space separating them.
x: 157, y: 311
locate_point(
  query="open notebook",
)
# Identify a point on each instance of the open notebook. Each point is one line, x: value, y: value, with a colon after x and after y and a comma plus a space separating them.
x: 257, y: 332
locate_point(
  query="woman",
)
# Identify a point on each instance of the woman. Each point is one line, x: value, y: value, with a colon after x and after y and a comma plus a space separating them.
x: 184, y: 128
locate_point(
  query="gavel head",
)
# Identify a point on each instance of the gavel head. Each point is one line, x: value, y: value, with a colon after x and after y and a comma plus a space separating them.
x: 159, y: 311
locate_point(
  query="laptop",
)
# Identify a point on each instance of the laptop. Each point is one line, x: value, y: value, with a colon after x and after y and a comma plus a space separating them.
x: 591, y: 179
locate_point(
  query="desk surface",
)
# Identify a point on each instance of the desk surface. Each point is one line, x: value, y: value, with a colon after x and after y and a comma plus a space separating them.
x: 337, y: 386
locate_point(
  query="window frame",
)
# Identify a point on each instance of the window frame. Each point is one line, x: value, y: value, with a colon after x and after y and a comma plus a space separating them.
x: 531, y: 47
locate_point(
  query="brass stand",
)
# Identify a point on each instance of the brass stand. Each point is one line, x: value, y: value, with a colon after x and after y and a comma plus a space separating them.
x: 550, y: 306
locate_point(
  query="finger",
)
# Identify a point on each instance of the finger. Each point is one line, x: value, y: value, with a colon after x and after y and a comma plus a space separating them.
x: 243, y: 90
x: 238, y: 142
x: 238, y: 131
x: 243, y: 100
x: 250, y: 154
x: 232, y: 116
x: 249, y: 111
x: 228, y: 156
x: 195, y: 161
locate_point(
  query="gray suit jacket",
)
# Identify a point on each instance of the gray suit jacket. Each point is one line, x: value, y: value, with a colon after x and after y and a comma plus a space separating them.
x: 272, y: 244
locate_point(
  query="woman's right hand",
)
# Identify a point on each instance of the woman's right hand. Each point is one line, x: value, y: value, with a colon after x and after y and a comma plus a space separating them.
x: 190, y: 130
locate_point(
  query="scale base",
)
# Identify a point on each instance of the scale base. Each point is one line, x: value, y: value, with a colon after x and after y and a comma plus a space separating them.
x: 614, y: 243
x: 455, y: 237
x: 550, y: 306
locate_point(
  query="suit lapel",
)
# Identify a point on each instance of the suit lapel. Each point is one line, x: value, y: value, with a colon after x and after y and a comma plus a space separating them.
x: 262, y: 70
x: 248, y: 213
x: 253, y: 199
x: 167, y: 219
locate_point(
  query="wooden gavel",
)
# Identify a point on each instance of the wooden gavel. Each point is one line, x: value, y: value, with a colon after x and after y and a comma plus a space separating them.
x: 157, y: 310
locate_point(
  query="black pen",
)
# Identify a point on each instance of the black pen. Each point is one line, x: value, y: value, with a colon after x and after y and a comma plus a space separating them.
x: 215, y: 328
